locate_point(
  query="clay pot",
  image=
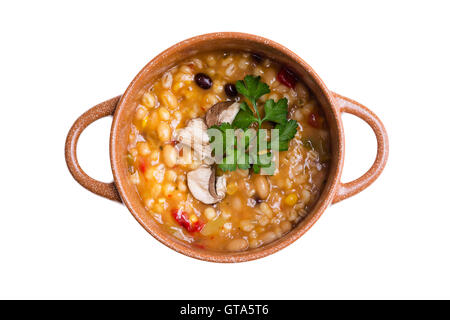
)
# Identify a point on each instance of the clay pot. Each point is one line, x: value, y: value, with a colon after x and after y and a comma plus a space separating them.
x: 122, y: 109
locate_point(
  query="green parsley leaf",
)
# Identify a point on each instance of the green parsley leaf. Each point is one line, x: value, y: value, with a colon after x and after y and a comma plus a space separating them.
x: 269, y: 170
x: 252, y: 88
x: 228, y: 141
x: 223, y: 127
x: 265, y: 164
x: 286, y: 132
x: 243, y: 160
x: 245, y: 117
x: 282, y: 146
x: 228, y: 163
x: 241, y: 150
x: 235, y: 159
x: 276, y: 112
x: 244, y: 107
x: 227, y: 167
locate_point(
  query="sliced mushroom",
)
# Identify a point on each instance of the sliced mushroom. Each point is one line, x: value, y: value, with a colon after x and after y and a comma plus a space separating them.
x: 217, y: 185
x: 195, y: 136
x: 222, y: 112
x: 204, y: 186
x: 221, y: 187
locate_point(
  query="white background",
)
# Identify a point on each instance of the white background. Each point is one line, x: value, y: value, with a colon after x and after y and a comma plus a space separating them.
x: 57, y: 240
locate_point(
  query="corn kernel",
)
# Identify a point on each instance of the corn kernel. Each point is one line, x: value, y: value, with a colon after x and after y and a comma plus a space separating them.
x: 193, y: 218
x: 291, y: 199
x: 144, y: 121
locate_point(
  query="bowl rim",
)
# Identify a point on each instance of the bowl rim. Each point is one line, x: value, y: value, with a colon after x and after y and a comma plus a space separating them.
x: 226, y: 257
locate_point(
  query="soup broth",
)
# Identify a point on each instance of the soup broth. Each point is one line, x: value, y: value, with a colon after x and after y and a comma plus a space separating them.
x: 254, y: 209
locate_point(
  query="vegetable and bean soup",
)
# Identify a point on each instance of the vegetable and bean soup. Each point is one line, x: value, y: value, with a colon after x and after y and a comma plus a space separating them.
x: 228, y: 196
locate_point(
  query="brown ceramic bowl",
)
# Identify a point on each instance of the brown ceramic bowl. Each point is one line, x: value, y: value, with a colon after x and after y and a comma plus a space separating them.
x: 122, y: 109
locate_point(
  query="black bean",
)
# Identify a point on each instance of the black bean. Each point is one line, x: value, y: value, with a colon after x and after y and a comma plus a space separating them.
x: 257, y: 57
x: 203, y: 80
x: 258, y: 199
x: 230, y: 90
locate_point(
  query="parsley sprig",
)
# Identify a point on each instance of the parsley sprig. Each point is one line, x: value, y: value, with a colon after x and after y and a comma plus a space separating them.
x: 253, y: 88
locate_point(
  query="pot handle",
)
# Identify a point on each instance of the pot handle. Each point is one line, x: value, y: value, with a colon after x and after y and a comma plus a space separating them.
x: 349, y: 189
x: 104, y: 109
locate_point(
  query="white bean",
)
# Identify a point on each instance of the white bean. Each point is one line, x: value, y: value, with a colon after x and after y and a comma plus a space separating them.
x: 170, y: 155
x: 262, y: 187
x: 237, y: 245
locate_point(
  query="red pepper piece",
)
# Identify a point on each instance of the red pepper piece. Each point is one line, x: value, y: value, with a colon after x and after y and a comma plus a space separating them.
x: 182, y: 219
x: 197, y: 226
x: 314, y: 120
x: 287, y: 77
x: 142, y: 165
